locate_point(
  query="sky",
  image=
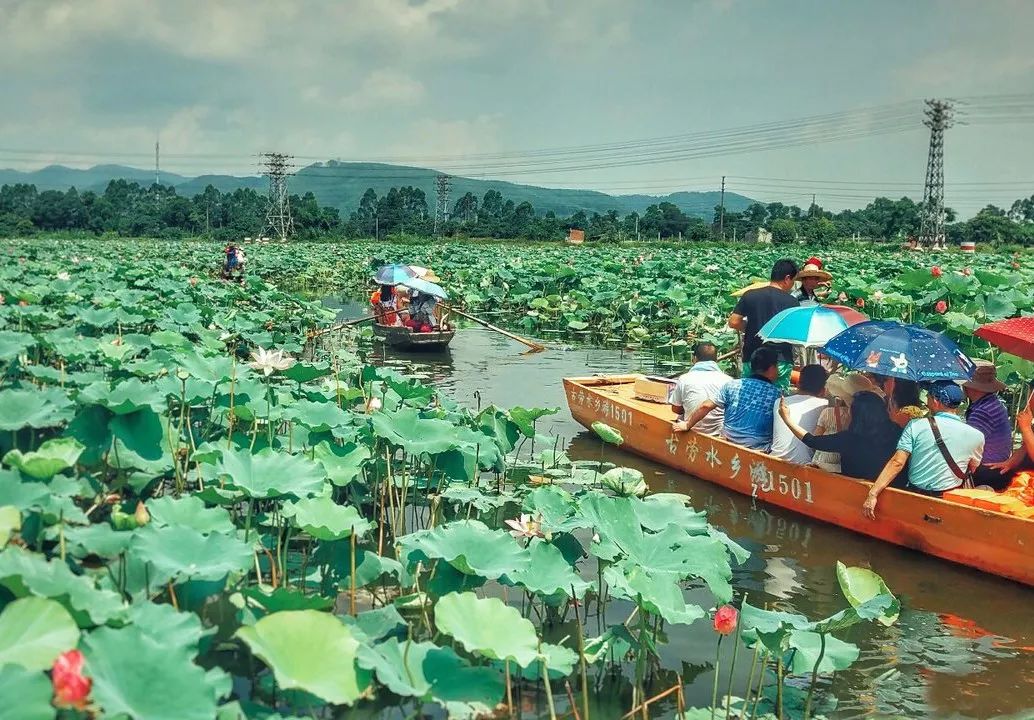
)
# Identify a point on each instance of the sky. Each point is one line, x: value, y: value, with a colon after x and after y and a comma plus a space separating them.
x: 483, y: 87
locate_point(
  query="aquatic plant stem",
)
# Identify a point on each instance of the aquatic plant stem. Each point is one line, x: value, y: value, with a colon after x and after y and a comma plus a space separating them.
x: 779, y: 688
x: 509, y: 687
x: 815, y: 675
x: 351, y: 580
x: 581, y: 657
x: 761, y: 685
x: 717, y: 672
x: 732, y: 665
x: 546, y: 683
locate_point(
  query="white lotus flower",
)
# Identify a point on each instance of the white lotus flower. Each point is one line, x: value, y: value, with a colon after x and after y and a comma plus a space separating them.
x: 63, y: 276
x: 525, y: 527
x: 75, y: 260
x: 878, y: 295
x: 373, y: 404
x: 269, y: 361
x: 711, y: 268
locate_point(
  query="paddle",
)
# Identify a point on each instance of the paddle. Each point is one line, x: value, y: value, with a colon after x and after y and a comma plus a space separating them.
x: 341, y: 326
x: 535, y: 347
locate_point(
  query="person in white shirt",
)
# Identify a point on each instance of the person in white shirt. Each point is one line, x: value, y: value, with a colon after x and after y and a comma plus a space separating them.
x: 701, y: 382
x: 805, y: 408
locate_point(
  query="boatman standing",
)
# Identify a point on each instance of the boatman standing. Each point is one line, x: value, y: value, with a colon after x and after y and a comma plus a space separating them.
x: 756, y: 307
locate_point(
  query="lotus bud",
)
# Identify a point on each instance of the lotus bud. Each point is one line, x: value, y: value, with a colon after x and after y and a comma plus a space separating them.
x: 141, y: 515
x: 725, y: 620
x: 936, y: 271
x: 373, y: 404
x: 71, y: 686
x: 941, y: 307
x: 182, y: 374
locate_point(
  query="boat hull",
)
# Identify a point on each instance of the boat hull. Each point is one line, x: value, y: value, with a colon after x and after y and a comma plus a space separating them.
x: 405, y: 339
x: 988, y: 541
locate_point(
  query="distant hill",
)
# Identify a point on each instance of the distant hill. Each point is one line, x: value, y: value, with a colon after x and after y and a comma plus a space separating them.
x: 342, y: 184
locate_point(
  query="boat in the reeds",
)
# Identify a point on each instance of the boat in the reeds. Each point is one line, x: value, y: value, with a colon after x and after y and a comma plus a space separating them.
x: 403, y: 338
x: 977, y: 534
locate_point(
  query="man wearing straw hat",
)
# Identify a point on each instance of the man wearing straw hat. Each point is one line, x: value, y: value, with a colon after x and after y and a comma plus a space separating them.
x: 814, y: 282
x: 988, y: 414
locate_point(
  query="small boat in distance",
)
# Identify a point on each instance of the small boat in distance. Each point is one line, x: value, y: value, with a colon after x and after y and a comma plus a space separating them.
x: 403, y: 338
x: 984, y: 539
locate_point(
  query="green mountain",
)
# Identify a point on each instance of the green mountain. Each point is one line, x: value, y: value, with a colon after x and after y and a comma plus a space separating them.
x: 342, y: 184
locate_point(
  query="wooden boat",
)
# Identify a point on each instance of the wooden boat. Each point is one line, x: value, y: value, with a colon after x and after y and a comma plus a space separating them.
x: 987, y: 540
x: 401, y: 337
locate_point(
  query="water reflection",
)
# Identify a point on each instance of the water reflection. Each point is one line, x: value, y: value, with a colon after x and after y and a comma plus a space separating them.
x: 963, y: 646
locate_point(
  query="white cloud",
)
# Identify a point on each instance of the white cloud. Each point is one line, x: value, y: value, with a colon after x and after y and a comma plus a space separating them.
x: 384, y: 86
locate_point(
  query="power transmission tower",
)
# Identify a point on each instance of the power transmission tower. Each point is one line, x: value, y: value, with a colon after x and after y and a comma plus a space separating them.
x: 278, y: 213
x: 938, y: 119
x: 441, y: 205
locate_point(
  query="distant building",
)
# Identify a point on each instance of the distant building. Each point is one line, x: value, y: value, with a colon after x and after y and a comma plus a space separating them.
x: 761, y: 235
x: 575, y: 237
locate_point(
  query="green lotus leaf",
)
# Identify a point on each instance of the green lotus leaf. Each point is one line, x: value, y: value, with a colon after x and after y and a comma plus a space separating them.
x: 324, y: 519
x: 426, y: 671
x: 33, y: 408
x: 34, y: 631
x: 268, y: 473
x: 10, y: 523
x: 25, y: 573
x: 318, y: 416
x: 560, y: 660
x: 607, y: 434
x: 487, y: 626
x: 303, y: 372
x: 13, y: 344
x: 524, y: 418
x: 50, y: 458
x: 311, y: 651
x: 33, y: 690
x: 659, y: 510
x: 473, y: 451
x: 497, y: 424
x: 165, y: 625
x: 613, y: 644
x: 189, y: 511
x: 126, y: 397
x: 470, y: 547
x: 625, y: 482
x: 369, y: 566
x: 214, y: 369
x: 100, y: 540
x: 548, y: 573
x: 861, y: 585
x: 273, y: 600
x: 375, y: 625
x: 179, y: 554
x: 342, y: 463
x: 124, y: 664
x: 171, y: 339
x: 98, y: 317
x: 806, y: 646
x: 464, y: 495
x: 656, y: 590
x: 414, y: 434
x: 555, y: 509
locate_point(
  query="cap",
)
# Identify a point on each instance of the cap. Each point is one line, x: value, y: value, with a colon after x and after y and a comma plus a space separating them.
x: 946, y: 392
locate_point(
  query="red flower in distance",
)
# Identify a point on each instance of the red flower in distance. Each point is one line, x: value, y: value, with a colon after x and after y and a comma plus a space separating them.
x: 725, y: 619
x: 941, y: 307
x: 71, y: 687
x: 860, y: 302
x: 935, y: 271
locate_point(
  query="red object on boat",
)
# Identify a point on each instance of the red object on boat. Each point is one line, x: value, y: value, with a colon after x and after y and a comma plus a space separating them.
x: 1015, y: 336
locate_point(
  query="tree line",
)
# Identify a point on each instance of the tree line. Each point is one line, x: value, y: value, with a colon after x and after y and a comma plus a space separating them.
x: 129, y: 209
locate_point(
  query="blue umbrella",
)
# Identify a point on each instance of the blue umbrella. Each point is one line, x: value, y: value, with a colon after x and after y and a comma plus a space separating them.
x: 883, y: 347
x: 810, y: 325
x: 424, y: 286
x: 394, y: 274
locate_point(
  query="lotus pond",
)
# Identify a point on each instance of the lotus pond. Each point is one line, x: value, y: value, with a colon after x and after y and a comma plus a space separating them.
x: 222, y: 531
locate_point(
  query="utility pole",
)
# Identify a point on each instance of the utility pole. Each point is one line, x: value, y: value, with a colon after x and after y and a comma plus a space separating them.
x: 156, y: 181
x: 938, y: 119
x: 278, y: 213
x: 721, y: 213
x: 637, y: 238
x: 441, y: 205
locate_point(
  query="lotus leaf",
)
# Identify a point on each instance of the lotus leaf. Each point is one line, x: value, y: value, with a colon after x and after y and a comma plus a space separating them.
x: 34, y: 631
x: 13, y: 344
x: 324, y: 519
x: 607, y: 434
x: 33, y: 408
x: 342, y: 463
x: 165, y: 625
x: 860, y: 585
x: 524, y: 418
x: 369, y: 566
x: 179, y: 553
x: 487, y: 626
x: 25, y: 573
x: 318, y: 416
x: 50, y: 458
x: 276, y: 599
x: 269, y: 474
x: 125, y: 397
x: 377, y: 624
x: 124, y: 664
x: 548, y: 573
x: 656, y: 590
x: 100, y: 540
x: 10, y: 523
x: 33, y: 690
x: 191, y: 512
x: 470, y: 547
x: 311, y: 651
x: 559, y: 659
x: 624, y: 481
x: 806, y: 646
x: 414, y: 434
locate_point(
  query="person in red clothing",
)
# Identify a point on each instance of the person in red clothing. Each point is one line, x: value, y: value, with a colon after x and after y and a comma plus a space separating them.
x: 384, y: 304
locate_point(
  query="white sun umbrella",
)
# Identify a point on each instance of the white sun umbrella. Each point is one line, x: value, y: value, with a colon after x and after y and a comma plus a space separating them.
x: 425, y: 287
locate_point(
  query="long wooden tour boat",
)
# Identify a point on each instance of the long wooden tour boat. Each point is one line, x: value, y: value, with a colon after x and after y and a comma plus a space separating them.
x: 403, y: 338
x: 987, y: 540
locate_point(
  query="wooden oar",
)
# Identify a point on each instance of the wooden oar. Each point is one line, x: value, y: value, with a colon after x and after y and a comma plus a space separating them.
x: 535, y: 347
x: 341, y: 326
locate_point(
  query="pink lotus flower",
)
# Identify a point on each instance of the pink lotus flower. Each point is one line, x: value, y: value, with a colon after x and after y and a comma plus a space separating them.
x: 941, y: 307
x: 193, y: 281
x: 71, y: 686
x: 967, y: 271
x: 525, y: 527
x: 725, y: 619
x: 842, y: 297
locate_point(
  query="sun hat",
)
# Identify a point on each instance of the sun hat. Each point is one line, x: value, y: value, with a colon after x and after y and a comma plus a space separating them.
x: 813, y: 270
x: 985, y: 378
x: 946, y: 392
x: 844, y: 387
x: 430, y: 276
